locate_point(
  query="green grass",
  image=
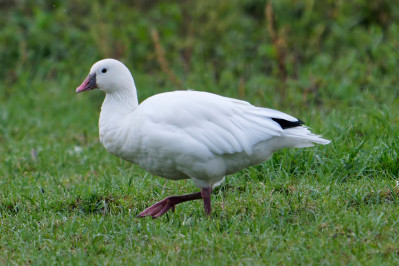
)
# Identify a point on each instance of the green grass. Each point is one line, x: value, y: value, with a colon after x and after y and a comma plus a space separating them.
x: 65, y: 200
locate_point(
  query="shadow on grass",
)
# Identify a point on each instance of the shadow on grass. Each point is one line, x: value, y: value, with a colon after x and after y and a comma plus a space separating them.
x: 9, y: 208
x: 91, y: 204
x: 383, y: 196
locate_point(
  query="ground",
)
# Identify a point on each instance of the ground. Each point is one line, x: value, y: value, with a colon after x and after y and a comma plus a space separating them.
x: 65, y: 200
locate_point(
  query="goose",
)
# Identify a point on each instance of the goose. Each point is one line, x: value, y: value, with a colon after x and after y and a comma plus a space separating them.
x: 188, y: 134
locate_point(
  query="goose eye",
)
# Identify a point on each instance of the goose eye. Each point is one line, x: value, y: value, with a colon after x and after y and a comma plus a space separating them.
x: 104, y: 70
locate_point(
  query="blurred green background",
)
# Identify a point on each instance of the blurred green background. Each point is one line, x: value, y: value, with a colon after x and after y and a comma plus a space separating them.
x: 333, y: 51
x: 333, y: 64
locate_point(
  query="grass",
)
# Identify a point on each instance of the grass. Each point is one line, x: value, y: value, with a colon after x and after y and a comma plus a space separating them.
x: 65, y: 200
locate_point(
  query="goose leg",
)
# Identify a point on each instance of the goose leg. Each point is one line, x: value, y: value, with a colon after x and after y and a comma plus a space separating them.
x: 168, y: 203
x: 206, y: 196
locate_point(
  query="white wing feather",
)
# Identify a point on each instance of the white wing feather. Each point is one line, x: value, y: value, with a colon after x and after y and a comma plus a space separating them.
x: 207, y: 121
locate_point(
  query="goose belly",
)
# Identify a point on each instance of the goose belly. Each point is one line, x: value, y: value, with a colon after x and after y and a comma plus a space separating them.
x: 159, y: 164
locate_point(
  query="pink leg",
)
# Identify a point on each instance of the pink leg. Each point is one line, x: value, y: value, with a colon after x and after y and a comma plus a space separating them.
x: 168, y: 203
x: 206, y: 196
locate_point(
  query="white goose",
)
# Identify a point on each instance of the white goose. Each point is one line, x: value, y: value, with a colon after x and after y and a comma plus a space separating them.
x: 188, y: 134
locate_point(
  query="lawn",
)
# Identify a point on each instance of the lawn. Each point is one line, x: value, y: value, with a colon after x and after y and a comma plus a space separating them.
x: 65, y: 200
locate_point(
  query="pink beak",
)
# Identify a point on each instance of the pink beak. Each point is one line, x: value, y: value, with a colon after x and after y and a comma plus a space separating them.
x: 88, y: 84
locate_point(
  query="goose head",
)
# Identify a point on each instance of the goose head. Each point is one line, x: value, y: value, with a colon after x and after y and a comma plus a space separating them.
x: 108, y: 75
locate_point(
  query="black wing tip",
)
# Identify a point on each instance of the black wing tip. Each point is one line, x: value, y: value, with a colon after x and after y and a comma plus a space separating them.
x: 284, y: 124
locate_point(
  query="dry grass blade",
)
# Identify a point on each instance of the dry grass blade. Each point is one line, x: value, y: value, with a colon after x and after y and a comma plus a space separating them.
x: 278, y: 42
x: 160, y: 55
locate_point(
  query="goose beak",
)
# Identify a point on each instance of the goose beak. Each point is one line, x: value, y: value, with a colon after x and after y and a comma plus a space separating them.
x: 88, y: 84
